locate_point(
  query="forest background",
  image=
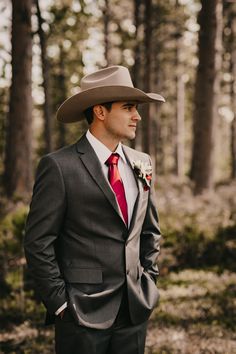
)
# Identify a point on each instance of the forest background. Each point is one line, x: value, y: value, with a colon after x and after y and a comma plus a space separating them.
x: 182, y: 49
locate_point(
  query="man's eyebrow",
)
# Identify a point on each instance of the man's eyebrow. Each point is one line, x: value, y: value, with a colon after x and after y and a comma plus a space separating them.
x: 129, y: 104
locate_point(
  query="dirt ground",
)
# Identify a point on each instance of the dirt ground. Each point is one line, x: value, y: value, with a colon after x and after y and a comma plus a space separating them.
x: 196, y: 314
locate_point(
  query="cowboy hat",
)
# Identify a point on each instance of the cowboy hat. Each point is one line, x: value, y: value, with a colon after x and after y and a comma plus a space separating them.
x: 106, y: 85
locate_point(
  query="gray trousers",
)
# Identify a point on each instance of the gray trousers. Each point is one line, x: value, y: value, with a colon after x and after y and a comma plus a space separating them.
x: 121, y: 338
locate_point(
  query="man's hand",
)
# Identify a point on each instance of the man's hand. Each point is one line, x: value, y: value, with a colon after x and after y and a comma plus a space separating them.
x: 61, y: 314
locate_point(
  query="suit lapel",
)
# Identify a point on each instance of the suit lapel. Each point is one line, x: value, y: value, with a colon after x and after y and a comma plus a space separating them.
x: 93, y: 166
x: 130, y: 158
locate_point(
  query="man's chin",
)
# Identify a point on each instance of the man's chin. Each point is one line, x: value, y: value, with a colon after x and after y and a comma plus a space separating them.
x: 128, y: 137
x: 131, y: 136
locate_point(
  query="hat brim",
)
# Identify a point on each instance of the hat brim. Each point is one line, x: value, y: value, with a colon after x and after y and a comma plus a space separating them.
x: 72, y: 110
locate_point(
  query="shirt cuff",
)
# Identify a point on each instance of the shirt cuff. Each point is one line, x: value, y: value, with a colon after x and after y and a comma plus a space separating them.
x: 61, y: 308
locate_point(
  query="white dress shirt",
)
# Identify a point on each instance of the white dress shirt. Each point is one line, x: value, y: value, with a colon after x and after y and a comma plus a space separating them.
x: 126, y: 173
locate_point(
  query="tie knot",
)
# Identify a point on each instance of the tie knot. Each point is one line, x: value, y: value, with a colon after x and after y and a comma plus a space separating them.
x: 113, y: 159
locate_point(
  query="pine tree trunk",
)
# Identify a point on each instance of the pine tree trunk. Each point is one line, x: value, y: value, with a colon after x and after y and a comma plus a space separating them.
x: 137, y: 49
x: 137, y: 57
x: 146, y: 121
x: 47, y: 106
x: 62, y: 90
x: 206, y: 91
x: 180, y: 111
x: 18, y: 161
x: 180, y: 125
x: 106, y: 15
x: 233, y: 90
x: 157, y: 86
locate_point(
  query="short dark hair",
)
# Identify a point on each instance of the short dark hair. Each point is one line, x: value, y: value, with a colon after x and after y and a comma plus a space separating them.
x: 89, y: 111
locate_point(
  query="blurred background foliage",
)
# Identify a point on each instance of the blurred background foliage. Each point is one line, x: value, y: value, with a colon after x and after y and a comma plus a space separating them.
x: 183, y: 49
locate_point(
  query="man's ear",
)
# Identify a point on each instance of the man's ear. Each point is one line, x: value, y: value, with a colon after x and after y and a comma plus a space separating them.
x: 99, y: 111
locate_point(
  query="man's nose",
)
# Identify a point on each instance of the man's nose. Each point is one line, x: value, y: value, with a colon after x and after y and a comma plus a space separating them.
x: 136, y: 115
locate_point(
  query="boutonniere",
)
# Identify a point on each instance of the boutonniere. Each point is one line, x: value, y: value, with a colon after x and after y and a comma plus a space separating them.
x: 144, y: 172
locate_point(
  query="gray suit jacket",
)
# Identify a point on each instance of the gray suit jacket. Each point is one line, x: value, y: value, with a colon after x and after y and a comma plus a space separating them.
x: 77, y: 245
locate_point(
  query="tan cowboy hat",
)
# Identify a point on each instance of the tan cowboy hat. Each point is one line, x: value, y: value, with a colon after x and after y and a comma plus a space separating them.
x: 106, y: 85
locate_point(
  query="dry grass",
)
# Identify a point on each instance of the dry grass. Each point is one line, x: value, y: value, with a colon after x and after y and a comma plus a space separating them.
x: 196, y: 314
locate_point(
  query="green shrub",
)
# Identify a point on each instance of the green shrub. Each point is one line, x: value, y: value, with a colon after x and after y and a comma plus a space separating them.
x: 221, y: 251
x: 191, y: 248
x: 11, y: 250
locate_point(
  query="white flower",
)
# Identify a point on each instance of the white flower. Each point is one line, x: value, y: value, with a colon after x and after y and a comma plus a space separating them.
x: 143, y: 171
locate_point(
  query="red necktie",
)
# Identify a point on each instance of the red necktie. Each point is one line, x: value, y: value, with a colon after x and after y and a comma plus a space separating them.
x: 117, y: 184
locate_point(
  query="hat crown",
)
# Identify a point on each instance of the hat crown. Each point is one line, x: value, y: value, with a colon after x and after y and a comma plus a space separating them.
x: 112, y: 76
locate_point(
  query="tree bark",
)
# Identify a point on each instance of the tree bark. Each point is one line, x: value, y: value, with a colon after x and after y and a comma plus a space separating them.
x: 146, y: 122
x: 18, y: 153
x: 106, y: 15
x: 137, y: 48
x: 206, y: 91
x: 137, y: 56
x: 62, y: 90
x: 180, y: 105
x: 47, y: 106
x: 233, y: 89
x: 180, y: 125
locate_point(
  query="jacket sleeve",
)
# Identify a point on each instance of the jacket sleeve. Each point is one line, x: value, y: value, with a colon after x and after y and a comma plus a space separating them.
x: 150, y: 237
x: 43, y: 226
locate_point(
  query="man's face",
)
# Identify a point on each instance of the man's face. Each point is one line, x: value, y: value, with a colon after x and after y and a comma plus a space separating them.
x: 121, y: 121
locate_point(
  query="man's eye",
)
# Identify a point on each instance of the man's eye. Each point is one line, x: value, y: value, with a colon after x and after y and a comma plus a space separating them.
x: 130, y: 108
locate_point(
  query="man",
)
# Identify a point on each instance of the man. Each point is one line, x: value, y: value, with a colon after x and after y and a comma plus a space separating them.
x: 92, y: 234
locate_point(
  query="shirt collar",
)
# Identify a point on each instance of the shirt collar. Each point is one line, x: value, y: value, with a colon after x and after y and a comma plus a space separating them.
x: 102, y: 152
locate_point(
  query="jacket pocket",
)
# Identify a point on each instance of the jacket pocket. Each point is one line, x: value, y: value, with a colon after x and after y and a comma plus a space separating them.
x: 140, y: 270
x: 83, y: 275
